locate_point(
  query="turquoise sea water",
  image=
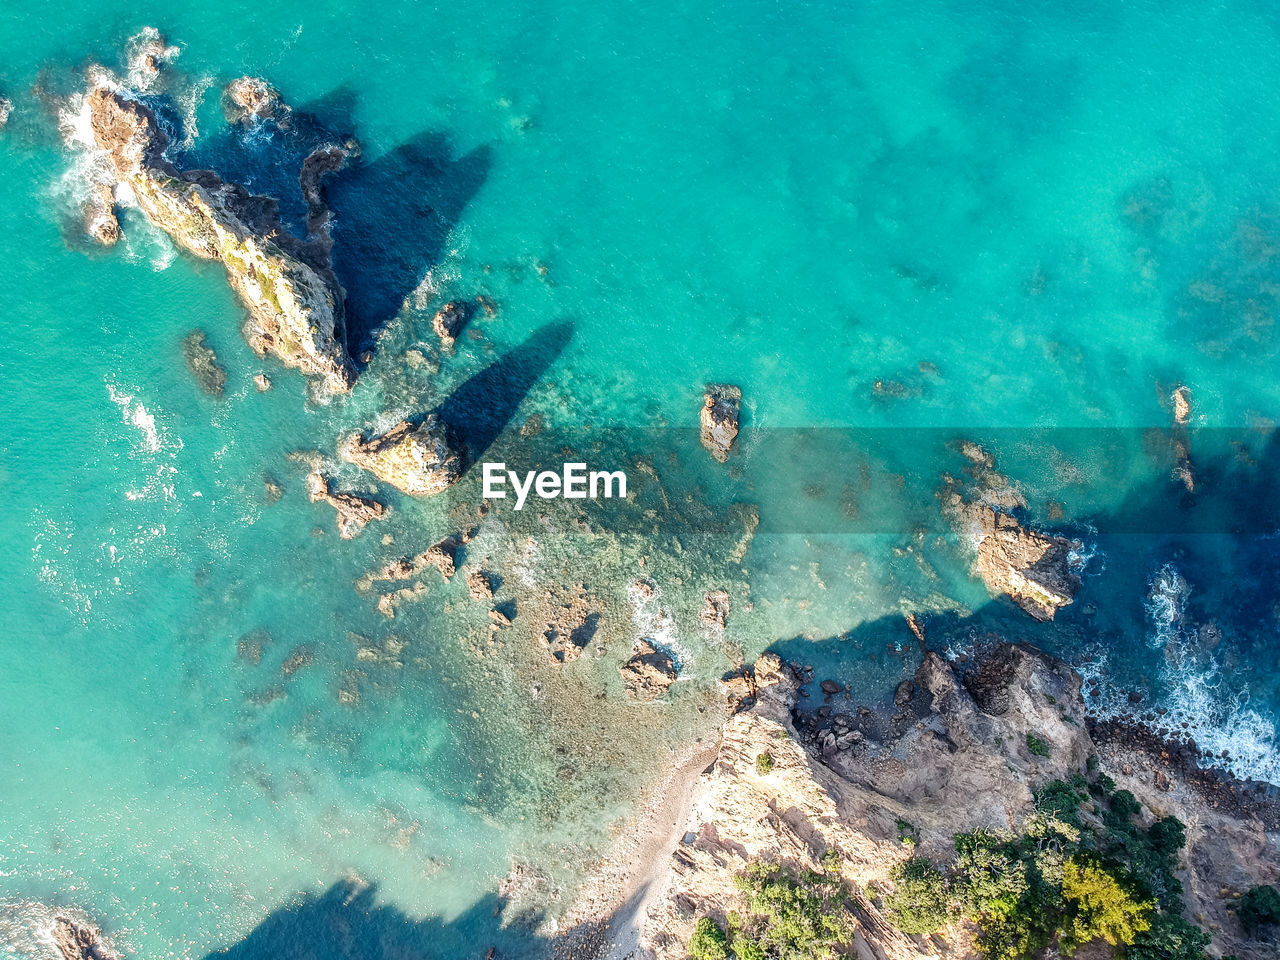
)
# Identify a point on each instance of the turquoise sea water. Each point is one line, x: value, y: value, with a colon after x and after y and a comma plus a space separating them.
x: 1009, y: 217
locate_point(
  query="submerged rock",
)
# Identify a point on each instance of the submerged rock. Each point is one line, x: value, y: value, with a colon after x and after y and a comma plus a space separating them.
x: 479, y: 586
x: 203, y: 363
x: 294, y: 299
x: 715, y: 610
x: 354, y: 511
x: 649, y: 672
x: 1031, y: 567
x: 721, y: 405
x: 415, y: 456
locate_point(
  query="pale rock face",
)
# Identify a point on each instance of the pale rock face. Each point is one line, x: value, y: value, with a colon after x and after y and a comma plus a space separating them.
x: 295, y: 306
x: 1030, y: 566
x: 250, y: 98
x: 413, y: 456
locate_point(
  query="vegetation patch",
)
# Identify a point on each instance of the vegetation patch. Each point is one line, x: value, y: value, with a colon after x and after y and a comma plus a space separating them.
x: 1080, y: 869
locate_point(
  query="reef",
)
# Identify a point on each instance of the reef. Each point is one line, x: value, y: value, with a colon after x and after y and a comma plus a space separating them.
x: 415, y: 456
x: 721, y: 406
x: 294, y: 300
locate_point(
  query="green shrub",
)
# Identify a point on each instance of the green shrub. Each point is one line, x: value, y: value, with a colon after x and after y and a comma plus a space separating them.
x: 764, y: 764
x: 709, y: 941
x: 921, y: 899
x: 1170, y: 938
x: 791, y: 917
x: 1259, y: 907
x: 1061, y: 799
x: 1102, y: 906
x: 1038, y: 747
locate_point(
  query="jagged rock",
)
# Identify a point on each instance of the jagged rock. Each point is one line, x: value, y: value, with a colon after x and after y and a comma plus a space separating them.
x: 262, y: 382
x: 903, y: 693
x: 202, y: 361
x: 715, y: 610
x: 442, y: 556
x: 78, y: 941
x: 649, y: 672
x: 479, y: 586
x: 100, y: 221
x: 294, y: 300
x: 249, y: 98
x: 1030, y: 567
x: 354, y: 511
x: 414, y: 456
x: 450, y: 319
x: 721, y: 405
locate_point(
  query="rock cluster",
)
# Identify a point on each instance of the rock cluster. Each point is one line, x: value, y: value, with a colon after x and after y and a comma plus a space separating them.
x: 294, y: 300
x: 415, y: 456
x: 649, y: 672
x: 354, y: 511
x: 721, y: 405
x: 715, y: 610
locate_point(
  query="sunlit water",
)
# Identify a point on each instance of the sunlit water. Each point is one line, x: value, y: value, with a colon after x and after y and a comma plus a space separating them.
x: 957, y: 216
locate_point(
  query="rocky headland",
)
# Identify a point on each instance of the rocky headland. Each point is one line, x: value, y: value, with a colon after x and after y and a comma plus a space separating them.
x: 854, y: 792
x: 294, y: 300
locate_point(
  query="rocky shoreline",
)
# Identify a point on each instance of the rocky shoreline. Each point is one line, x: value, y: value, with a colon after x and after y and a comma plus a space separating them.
x: 950, y: 752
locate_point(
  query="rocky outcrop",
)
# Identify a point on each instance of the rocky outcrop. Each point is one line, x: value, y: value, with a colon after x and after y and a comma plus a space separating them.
x: 649, y: 672
x: 354, y: 511
x: 721, y: 406
x: 79, y: 941
x: 715, y: 610
x: 450, y: 319
x: 249, y: 99
x: 479, y: 586
x: 415, y: 456
x: 1031, y: 567
x: 203, y: 363
x: 294, y: 300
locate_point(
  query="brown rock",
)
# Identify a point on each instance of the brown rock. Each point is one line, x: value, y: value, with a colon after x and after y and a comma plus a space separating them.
x: 249, y: 98
x: 354, y: 511
x: 77, y: 941
x: 1029, y: 566
x: 262, y: 382
x: 450, y: 319
x: 649, y: 672
x: 480, y: 587
x: 721, y: 405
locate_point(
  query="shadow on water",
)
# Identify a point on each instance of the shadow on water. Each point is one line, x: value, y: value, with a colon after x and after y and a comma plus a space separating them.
x: 392, y: 218
x: 392, y: 214
x: 480, y: 409
x: 347, y: 922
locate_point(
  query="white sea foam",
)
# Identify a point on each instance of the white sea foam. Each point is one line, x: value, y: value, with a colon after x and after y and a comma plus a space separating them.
x: 1200, y: 702
x: 654, y: 622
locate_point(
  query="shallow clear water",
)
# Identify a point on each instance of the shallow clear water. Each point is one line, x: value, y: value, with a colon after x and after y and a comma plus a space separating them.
x: 1061, y: 214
